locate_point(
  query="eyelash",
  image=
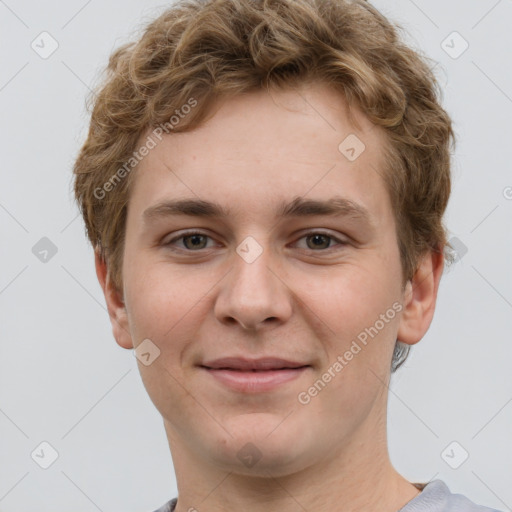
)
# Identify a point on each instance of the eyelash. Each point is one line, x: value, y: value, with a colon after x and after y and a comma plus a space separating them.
x: 305, y: 235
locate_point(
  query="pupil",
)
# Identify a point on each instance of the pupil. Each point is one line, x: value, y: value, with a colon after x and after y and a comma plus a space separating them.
x: 317, y: 238
x: 195, y: 239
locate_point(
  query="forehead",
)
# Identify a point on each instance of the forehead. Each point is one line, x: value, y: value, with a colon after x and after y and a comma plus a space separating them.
x: 269, y: 144
x: 289, y: 121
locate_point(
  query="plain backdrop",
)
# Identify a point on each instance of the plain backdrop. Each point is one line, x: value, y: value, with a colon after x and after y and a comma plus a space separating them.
x: 64, y: 380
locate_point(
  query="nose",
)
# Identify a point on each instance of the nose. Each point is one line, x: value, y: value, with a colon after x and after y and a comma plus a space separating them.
x: 254, y: 294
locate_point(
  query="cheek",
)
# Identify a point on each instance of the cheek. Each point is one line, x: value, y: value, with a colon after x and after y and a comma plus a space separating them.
x: 161, y: 309
x: 360, y: 311
x: 347, y: 298
x: 156, y: 302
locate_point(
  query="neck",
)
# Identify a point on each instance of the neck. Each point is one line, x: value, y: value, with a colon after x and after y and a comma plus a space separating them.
x: 355, y: 478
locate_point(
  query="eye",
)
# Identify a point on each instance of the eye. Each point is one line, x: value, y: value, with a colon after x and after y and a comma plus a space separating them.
x: 319, y: 240
x: 192, y: 241
x: 195, y: 241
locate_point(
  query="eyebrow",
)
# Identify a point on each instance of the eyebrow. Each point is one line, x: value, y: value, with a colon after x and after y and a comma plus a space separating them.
x: 298, y: 207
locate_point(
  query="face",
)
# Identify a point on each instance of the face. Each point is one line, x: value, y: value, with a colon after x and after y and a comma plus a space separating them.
x: 277, y: 276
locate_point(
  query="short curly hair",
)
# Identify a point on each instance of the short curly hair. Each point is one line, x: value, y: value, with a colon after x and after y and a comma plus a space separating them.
x: 198, y: 51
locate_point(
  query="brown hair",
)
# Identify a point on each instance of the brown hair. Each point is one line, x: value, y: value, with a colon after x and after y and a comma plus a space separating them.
x: 200, y: 50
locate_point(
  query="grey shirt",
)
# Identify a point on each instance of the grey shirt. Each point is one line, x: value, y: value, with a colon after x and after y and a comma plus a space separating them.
x: 435, y: 497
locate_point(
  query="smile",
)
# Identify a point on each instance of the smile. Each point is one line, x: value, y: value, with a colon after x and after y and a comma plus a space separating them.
x: 254, y: 381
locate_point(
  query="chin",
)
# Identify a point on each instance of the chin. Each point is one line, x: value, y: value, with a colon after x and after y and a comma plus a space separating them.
x: 258, y: 448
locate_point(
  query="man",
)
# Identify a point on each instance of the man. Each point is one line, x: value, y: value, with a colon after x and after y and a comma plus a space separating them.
x: 264, y: 184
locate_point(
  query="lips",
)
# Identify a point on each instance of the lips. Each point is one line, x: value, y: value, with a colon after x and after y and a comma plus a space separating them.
x: 264, y: 375
x: 244, y: 365
x: 250, y: 376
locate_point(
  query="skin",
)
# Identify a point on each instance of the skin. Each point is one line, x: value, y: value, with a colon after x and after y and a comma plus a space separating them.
x: 295, y: 301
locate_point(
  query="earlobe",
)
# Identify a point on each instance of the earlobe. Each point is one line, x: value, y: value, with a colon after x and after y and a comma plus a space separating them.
x: 419, y: 298
x: 115, y: 303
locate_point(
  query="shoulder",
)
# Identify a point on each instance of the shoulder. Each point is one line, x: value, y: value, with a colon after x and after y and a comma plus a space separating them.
x: 436, y: 497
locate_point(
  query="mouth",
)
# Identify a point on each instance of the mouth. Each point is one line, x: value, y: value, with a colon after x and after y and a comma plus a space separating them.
x: 256, y: 370
x: 261, y: 364
x: 254, y: 380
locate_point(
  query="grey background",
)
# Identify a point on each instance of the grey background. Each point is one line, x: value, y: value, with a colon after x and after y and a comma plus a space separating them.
x: 64, y: 380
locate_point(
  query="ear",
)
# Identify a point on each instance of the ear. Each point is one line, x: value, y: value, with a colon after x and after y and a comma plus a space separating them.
x: 420, y: 297
x: 115, y: 304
